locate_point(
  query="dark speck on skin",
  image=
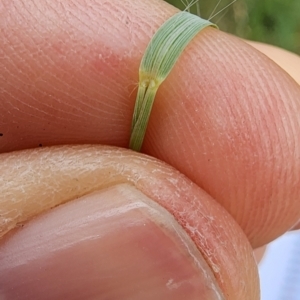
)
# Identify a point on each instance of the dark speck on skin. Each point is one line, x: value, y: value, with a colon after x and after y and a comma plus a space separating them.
x: 40, y: 145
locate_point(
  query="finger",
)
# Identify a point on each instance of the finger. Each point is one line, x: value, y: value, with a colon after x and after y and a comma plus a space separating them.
x: 297, y: 226
x: 259, y: 253
x: 226, y: 116
x: 288, y: 61
x: 123, y: 228
x: 151, y: 250
x: 242, y: 145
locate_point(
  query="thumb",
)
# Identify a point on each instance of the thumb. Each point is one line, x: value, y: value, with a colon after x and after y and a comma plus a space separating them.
x: 121, y: 242
x: 112, y: 244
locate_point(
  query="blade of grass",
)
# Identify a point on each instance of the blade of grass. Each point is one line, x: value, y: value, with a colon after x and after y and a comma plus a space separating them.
x: 159, y: 58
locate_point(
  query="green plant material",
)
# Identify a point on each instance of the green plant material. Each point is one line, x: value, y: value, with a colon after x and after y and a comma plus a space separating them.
x: 160, y: 57
x: 275, y: 22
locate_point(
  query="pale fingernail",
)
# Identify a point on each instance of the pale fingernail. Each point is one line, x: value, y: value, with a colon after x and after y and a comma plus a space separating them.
x: 113, y: 244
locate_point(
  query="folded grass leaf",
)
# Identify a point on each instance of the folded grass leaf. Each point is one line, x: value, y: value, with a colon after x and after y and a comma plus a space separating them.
x: 159, y: 58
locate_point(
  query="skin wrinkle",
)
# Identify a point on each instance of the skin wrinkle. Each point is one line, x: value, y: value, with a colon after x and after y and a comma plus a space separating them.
x: 267, y: 108
x: 190, y: 248
x: 226, y: 169
x: 281, y: 151
x: 239, y: 110
x: 223, y: 91
x: 53, y: 23
x: 82, y: 111
x: 173, y: 113
x: 263, y: 142
x: 203, y: 62
x: 124, y: 189
x: 106, y: 104
x: 36, y: 13
x: 70, y: 172
x: 289, y: 127
x: 32, y: 106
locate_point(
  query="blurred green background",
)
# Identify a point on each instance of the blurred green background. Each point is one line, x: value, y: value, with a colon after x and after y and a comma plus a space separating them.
x: 275, y: 22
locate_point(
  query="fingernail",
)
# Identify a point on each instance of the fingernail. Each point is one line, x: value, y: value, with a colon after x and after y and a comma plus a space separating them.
x: 113, y: 244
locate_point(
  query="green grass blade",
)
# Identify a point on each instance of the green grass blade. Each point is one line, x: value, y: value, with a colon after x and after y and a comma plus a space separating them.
x: 159, y: 59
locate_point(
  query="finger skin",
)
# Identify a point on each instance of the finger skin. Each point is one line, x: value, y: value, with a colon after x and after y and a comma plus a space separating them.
x: 125, y: 246
x: 297, y: 226
x: 288, y: 61
x: 45, y: 178
x: 259, y: 253
x: 226, y: 117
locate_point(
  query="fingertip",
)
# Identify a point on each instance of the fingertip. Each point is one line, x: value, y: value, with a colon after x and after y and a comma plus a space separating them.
x: 70, y: 172
x: 234, y: 130
x: 115, y: 243
x: 288, y: 61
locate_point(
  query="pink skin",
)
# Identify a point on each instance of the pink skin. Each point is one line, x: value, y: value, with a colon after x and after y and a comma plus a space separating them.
x: 113, y: 253
x: 71, y: 172
x: 227, y: 116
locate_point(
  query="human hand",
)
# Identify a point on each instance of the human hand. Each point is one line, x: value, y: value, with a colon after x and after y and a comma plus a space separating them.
x: 226, y: 117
